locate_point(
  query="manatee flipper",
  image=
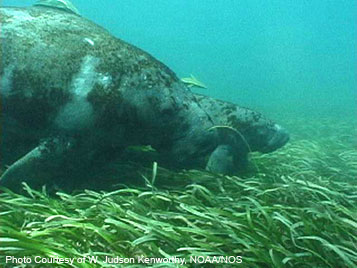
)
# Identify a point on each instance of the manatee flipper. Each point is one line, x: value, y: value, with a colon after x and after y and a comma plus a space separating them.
x: 231, y: 155
x: 39, y: 166
x: 225, y: 160
x: 221, y: 160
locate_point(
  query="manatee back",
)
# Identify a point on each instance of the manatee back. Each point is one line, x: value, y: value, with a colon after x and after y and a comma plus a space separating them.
x: 42, y: 51
x: 61, y: 70
x: 49, y: 54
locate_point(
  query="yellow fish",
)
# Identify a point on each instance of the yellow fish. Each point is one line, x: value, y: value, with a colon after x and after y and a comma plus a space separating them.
x: 193, y: 82
x: 141, y: 148
x: 61, y: 4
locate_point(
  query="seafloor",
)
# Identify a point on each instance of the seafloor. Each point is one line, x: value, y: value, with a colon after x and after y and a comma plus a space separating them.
x: 296, y: 207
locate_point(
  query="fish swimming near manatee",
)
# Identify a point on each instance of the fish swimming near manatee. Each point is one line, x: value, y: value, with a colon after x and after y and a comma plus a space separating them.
x: 193, y: 82
x: 74, y: 97
x: 61, y: 4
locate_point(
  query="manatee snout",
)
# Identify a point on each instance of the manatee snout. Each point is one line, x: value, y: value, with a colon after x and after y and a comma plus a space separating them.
x: 278, y: 138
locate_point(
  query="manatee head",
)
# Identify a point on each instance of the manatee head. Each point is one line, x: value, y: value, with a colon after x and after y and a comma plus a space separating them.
x: 244, y: 129
x: 266, y: 138
x: 254, y: 131
x: 263, y: 135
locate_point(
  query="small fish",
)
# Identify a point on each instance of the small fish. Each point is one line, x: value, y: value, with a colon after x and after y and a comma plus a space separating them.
x: 193, y: 82
x: 61, y: 4
x: 141, y: 148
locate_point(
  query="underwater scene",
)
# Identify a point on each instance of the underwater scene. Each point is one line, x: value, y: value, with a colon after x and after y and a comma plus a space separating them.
x: 167, y: 133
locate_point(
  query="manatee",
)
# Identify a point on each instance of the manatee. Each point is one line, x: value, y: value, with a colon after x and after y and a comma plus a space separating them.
x: 73, y: 97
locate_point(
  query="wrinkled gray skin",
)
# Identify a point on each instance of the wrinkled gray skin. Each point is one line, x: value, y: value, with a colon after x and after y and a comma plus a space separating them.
x: 74, y: 97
